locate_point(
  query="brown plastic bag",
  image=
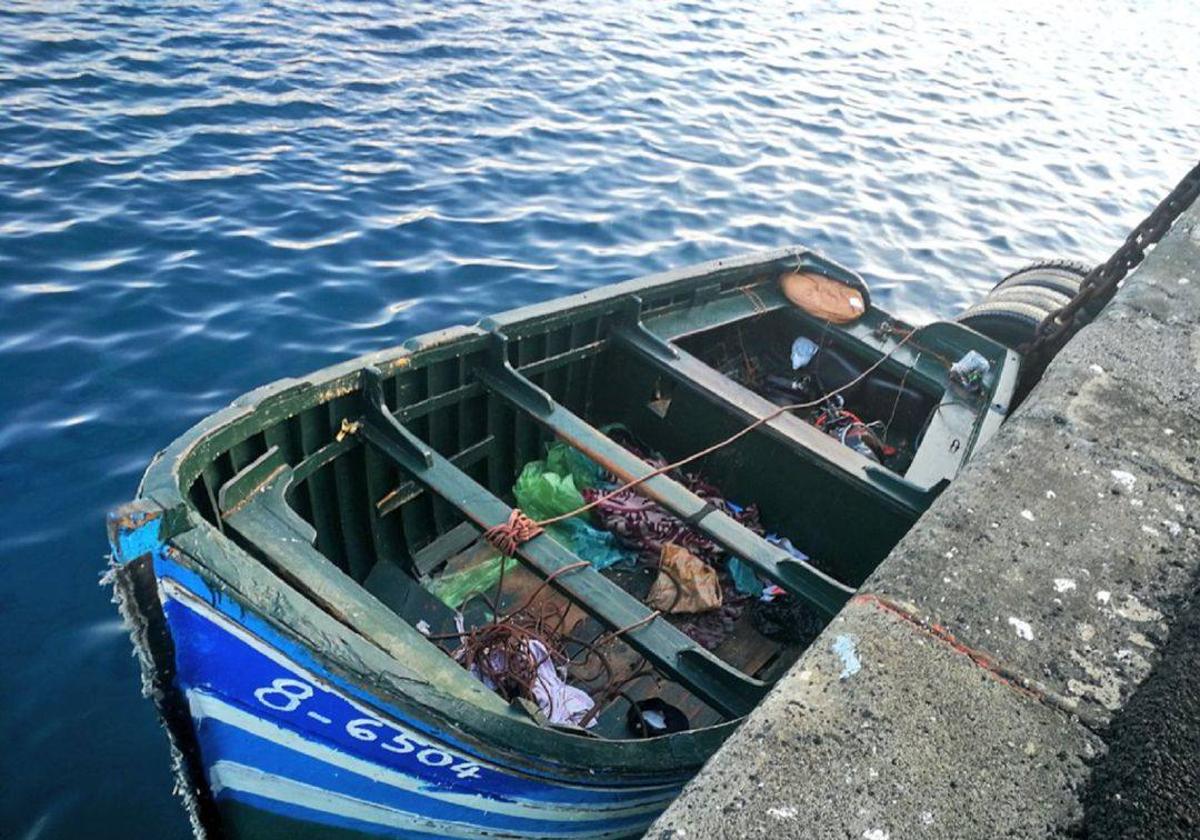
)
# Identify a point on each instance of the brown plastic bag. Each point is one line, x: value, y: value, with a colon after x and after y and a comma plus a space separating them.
x: 822, y: 297
x: 680, y: 571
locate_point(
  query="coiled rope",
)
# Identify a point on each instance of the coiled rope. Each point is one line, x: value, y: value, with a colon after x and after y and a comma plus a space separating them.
x: 508, y: 536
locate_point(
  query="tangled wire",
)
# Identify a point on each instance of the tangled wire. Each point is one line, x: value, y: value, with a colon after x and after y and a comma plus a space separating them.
x: 507, y: 654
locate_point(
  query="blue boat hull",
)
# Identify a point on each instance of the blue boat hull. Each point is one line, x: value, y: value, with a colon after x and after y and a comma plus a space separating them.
x: 287, y: 748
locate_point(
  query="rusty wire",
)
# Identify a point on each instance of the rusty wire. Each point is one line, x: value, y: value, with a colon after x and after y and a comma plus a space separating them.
x: 500, y: 652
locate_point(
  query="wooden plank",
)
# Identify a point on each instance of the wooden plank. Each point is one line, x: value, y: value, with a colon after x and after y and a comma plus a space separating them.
x: 407, y: 599
x: 442, y: 426
x: 444, y: 547
x: 566, y: 359
x: 260, y: 487
x: 249, y: 480
x: 279, y: 436
x: 350, y: 482
x: 745, y: 648
x: 409, y: 490
x: 380, y: 475
x: 314, y: 435
x: 243, y: 452
x: 429, y: 405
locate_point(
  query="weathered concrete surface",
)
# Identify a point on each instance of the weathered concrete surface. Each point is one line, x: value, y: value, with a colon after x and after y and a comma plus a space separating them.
x: 1147, y: 784
x: 861, y: 741
x: 1022, y: 611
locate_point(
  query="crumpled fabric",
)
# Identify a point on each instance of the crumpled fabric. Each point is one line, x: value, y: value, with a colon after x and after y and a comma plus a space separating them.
x: 685, y: 583
x: 780, y: 616
x: 645, y: 526
x: 786, y: 545
x: 710, y: 628
x: 786, y: 618
x: 559, y: 702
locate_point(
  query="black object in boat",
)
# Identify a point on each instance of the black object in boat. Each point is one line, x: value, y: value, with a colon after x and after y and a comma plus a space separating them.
x: 653, y: 717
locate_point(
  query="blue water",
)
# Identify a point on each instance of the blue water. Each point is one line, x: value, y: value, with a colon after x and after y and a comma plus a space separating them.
x: 199, y: 198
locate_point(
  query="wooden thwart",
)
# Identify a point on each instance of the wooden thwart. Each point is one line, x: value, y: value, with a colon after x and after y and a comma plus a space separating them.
x: 797, y: 577
x: 669, y: 650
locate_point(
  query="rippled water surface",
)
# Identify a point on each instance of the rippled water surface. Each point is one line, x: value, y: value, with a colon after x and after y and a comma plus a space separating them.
x: 197, y: 199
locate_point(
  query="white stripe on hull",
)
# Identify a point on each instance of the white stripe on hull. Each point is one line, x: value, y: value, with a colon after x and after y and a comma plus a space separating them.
x: 225, y: 775
x: 205, y: 706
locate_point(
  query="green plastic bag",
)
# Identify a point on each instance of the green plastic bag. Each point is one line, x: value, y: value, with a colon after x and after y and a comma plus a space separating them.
x: 543, y: 494
x: 456, y: 588
x: 566, y: 460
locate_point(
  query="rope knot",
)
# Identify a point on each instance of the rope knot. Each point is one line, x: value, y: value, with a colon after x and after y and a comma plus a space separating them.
x: 508, y: 536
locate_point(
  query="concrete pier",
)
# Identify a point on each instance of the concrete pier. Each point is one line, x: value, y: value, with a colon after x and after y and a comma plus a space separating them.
x: 985, y: 681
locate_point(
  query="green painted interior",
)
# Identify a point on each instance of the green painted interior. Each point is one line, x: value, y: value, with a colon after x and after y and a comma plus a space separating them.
x: 366, y: 510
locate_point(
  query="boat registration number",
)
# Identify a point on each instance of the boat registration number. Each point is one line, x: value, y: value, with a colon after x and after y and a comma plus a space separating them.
x: 287, y: 694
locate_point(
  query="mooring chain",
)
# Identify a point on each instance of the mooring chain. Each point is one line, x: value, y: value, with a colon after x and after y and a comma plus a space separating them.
x: 1101, y: 282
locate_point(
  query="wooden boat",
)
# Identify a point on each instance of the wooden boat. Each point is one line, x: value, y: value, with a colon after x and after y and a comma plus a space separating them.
x: 276, y: 564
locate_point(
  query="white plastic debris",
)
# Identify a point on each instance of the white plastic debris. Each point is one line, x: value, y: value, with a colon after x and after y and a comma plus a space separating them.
x: 655, y: 720
x: 1123, y: 478
x: 1023, y: 628
x: 803, y: 351
x: 970, y: 370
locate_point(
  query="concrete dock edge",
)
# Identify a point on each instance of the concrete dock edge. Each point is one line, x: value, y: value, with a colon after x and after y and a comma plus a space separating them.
x: 972, y: 688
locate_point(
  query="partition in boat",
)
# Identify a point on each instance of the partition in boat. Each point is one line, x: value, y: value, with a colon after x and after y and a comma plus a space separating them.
x: 281, y: 560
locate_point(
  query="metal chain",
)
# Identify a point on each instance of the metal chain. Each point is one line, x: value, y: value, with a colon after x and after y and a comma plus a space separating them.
x: 1101, y: 282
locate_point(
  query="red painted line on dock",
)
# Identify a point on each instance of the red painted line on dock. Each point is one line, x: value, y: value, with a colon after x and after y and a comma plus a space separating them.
x: 981, y: 659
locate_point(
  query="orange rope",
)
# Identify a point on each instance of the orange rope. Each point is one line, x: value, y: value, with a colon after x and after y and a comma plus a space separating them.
x: 508, y: 536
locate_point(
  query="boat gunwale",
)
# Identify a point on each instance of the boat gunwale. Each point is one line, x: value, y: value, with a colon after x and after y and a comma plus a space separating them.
x: 174, y: 470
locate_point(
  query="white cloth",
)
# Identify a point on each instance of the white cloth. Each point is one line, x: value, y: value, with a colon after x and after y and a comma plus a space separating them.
x: 559, y: 702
